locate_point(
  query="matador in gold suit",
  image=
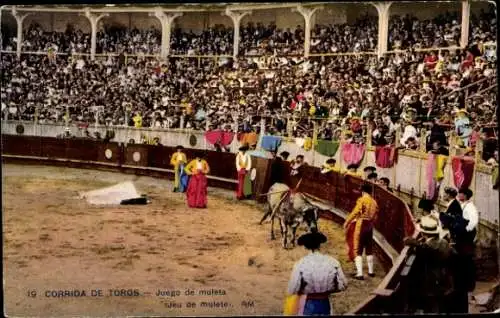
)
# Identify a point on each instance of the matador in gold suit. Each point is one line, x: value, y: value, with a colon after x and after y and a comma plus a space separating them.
x: 359, y: 230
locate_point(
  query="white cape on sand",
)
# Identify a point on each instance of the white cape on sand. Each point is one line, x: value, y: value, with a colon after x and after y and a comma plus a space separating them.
x: 111, y: 195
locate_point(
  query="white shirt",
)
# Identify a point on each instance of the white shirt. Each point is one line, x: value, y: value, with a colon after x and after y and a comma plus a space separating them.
x: 470, y: 213
x: 322, y: 273
x: 388, y: 122
x: 410, y: 131
x: 199, y: 165
x: 245, y: 157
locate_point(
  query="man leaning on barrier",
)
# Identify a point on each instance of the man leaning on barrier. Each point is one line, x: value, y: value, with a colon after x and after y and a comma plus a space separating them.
x: 432, y: 284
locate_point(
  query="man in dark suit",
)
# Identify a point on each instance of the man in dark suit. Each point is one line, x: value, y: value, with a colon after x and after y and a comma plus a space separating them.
x: 278, y: 169
x: 453, y: 206
x: 463, y: 277
x: 453, y: 219
x: 297, y: 166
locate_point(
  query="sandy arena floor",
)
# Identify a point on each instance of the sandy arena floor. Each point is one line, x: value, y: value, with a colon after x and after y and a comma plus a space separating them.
x: 54, y: 241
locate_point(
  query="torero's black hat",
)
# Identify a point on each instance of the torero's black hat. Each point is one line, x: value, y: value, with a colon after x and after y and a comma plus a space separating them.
x: 370, y: 168
x: 200, y: 154
x: 311, y: 240
x: 245, y: 147
x: 426, y: 205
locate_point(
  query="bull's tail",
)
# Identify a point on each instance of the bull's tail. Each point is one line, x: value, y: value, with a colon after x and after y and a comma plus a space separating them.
x: 272, y: 212
x: 283, y: 197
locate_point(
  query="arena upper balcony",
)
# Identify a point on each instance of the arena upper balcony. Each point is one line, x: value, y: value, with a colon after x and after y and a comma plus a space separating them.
x: 198, y: 17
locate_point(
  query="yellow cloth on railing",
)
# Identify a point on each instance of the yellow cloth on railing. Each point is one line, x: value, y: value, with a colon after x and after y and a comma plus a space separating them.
x: 307, y: 143
x: 440, y: 163
x: 137, y: 121
x: 312, y: 110
x: 459, y: 141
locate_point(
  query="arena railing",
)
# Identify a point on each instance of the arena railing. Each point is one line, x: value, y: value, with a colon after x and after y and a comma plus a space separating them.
x: 103, y: 56
x: 468, y: 86
x: 394, y: 223
x: 367, y: 136
x: 31, y: 52
x: 427, y: 49
x: 217, y: 57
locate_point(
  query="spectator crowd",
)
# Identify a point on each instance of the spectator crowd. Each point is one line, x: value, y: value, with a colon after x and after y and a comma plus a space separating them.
x: 345, y: 96
x: 408, y: 90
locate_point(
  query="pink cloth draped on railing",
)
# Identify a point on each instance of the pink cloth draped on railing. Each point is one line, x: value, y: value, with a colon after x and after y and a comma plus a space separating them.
x: 431, y: 181
x: 385, y: 156
x: 353, y: 153
x: 463, y: 169
x: 223, y: 138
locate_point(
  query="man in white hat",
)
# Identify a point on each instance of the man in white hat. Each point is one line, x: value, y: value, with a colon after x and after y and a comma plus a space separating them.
x: 433, y: 281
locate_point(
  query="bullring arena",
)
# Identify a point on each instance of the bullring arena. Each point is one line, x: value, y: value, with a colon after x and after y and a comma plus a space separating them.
x: 60, y: 243
x: 97, y: 100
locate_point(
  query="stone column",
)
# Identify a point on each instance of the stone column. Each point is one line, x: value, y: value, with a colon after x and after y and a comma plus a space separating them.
x: 383, y: 26
x: 423, y: 141
x: 166, y: 20
x: 369, y: 136
x: 396, y: 144
x: 478, y: 155
x: 207, y: 123
x: 36, y: 115
x: 94, y: 20
x: 289, y: 125
x: 307, y: 14
x: 262, y: 132
x: 314, y: 142
x: 182, y: 121
x: 464, y: 38
x: 66, y: 116
x: 96, y: 117
x: 19, y: 19
x: 236, y: 16
x: 235, y: 144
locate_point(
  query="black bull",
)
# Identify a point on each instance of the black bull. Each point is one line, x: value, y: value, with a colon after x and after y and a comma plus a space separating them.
x: 292, y: 209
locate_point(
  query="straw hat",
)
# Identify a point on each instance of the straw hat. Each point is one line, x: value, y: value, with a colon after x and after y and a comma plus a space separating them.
x: 463, y: 111
x: 429, y: 225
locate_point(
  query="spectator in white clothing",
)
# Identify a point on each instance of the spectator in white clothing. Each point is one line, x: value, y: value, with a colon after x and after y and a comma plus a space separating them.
x: 469, y: 210
x: 409, y: 132
x: 316, y: 276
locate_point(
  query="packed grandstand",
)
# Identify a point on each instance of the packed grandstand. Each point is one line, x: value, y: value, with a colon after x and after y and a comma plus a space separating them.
x: 427, y: 80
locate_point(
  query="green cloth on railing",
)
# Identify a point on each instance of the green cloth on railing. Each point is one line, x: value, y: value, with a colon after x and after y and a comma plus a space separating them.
x: 327, y: 147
